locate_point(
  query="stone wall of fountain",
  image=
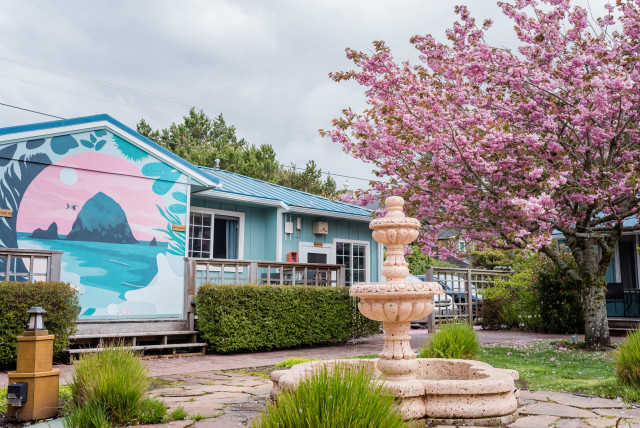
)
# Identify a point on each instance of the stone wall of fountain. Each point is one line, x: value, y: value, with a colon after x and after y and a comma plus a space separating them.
x: 449, y: 391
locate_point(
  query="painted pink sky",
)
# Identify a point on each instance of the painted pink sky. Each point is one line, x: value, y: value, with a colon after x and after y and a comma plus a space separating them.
x: 46, y: 199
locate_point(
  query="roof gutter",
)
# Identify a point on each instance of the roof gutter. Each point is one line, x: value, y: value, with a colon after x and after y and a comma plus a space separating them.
x: 333, y: 214
x: 242, y: 198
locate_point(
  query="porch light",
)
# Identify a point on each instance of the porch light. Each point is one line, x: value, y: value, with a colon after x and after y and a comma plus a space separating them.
x: 36, y: 322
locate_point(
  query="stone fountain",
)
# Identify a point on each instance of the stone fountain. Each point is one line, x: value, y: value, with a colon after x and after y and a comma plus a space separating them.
x: 449, y: 391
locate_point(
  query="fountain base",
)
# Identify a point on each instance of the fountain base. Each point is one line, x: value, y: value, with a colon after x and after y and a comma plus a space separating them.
x: 450, y: 392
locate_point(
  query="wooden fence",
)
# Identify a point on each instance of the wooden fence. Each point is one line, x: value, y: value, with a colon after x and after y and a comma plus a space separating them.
x: 464, y: 286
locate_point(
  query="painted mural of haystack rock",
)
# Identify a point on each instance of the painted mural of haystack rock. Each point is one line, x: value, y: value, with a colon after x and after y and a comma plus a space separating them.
x: 50, y: 233
x: 101, y: 219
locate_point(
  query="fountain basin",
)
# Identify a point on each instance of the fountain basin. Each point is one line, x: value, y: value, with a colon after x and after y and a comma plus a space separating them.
x: 450, y: 391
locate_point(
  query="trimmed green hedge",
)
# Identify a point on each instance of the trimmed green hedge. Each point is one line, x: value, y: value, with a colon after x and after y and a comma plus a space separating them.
x: 263, y: 317
x: 57, y: 298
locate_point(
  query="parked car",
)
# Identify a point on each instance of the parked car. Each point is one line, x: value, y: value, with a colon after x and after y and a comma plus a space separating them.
x: 457, y: 289
x: 444, y: 302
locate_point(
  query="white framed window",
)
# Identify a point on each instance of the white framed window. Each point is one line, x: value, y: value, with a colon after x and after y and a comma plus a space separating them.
x: 216, y: 234
x: 355, y: 256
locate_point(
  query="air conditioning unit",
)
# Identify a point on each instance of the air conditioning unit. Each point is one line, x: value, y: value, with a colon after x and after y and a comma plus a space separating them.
x: 320, y: 227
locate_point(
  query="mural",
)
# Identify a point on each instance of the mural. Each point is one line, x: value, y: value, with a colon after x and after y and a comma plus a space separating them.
x: 110, y: 207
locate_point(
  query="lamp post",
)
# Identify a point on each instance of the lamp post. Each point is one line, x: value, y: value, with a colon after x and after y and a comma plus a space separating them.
x: 34, y: 372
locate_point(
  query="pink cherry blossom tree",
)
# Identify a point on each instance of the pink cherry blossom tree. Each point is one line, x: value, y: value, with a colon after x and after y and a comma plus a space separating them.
x: 509, y: 146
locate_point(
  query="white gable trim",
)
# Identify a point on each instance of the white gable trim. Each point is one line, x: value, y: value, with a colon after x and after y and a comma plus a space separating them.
x: 86, y: 127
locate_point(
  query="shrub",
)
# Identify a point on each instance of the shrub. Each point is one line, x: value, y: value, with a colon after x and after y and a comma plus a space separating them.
x: 454, y: 339
x: 343, y: 397
x: 57, y: 298
x: 559, y: 298
x: 628, y: 359
x: 418, y: 262
x: 263, y: 317
x: 114, y: 382
x: 513, y: 301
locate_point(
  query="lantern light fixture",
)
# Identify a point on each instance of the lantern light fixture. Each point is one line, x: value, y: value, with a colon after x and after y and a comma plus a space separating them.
x: 36, y: 321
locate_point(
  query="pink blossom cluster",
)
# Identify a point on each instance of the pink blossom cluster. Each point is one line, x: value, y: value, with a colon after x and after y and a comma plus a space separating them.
x: 507, y: 146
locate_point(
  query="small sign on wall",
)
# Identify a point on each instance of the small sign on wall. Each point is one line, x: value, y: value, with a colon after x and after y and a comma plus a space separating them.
x: 179, y: 227
x: 318, y: 244
x: 6, y: 213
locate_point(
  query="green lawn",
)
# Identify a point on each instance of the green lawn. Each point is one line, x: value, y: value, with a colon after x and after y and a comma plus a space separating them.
x: 555, y: 366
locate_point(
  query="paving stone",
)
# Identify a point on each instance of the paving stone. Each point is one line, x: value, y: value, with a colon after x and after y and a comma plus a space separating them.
x: 210, y: 389
x: 584, y: 402
x: 223, y: 395
x: 196, y: 405
x: 223, y: 421
x: 526, y: 394
x: 572, y: 423
x: 178, y: 392
x: 172, y: 424
x: 553, y: 409
x: 258, y: 391
x: 602, y: 422
x: 167, y: 391
x: 522, y: 403
x: 539, y: 421
x: 620, y: 413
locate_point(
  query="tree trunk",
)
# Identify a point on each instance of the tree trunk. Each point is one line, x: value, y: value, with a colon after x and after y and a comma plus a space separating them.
x: 592, y: 270
x: 596, y: 325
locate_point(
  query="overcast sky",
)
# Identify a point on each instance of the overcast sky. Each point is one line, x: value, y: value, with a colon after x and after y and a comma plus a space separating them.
x: 262, y: 64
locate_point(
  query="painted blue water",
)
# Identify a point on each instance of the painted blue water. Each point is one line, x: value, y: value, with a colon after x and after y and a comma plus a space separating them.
x: 105, y: 271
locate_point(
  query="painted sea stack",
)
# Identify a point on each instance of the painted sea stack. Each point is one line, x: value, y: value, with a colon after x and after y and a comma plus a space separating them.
x: 102, y: 219
x: 50, y: 233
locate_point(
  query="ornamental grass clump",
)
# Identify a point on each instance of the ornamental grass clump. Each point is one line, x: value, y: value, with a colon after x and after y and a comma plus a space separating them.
x: 628, y: 359
x: 344, y: 397
x: 455, y: 339
x: 111, y: 385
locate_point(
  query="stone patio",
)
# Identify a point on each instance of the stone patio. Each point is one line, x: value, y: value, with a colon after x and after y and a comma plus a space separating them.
x: 225, y: 399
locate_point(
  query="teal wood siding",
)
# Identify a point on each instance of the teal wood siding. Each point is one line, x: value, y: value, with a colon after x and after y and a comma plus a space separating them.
x: 259, y: 223
x: 341, y: 229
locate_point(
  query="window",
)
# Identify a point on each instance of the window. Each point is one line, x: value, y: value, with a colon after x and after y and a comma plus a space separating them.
x: 354, y: 256
x: 214, y: 235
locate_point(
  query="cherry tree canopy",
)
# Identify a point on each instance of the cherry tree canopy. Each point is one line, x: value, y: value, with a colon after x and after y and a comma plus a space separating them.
x: 506, y: 146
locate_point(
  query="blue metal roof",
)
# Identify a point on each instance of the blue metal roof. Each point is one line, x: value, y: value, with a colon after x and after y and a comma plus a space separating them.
x: 197, y: 173
x: 236, y: 184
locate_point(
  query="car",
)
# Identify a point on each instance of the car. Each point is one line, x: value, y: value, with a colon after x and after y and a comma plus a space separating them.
x: 445, y: 304
x: 457, y: 289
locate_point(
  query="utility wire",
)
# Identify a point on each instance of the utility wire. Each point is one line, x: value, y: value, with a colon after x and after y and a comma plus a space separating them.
x: 188, y: 146
x: 31, y: 111
x: 154, y: 95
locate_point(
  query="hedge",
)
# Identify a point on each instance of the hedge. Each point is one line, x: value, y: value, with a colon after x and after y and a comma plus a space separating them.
x: 264, y: 317
x: 57, y: 298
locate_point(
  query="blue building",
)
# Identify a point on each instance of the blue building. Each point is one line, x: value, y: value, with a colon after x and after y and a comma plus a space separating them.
x: 139, y: 228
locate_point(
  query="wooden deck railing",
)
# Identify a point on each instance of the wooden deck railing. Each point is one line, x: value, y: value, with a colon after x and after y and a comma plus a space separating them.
x: 226, y: 271
x: 18, y: 264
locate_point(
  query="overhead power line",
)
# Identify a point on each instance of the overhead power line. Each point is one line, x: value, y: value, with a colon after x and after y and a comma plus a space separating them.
x: 186, y: 145
x: 31, y: 111
x: 153, y: 95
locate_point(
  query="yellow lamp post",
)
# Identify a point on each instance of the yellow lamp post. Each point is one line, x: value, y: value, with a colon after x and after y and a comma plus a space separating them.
x: 33, y: 387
